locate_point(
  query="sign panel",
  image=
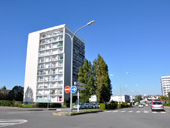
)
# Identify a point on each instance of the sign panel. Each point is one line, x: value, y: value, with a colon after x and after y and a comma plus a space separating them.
x: 73, y: 89
x: 67, y: 89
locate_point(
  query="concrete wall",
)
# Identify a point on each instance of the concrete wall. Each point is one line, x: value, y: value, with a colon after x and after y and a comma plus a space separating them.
x: 31, y: 68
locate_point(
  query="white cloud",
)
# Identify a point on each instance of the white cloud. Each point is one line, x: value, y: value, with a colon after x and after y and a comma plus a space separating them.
x: 111, y: 74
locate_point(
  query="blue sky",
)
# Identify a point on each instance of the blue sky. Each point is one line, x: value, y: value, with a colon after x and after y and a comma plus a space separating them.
x: 131, y: 35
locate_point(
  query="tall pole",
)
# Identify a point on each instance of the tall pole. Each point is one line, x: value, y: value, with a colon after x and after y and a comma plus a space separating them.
x: 121, y: 88
x: 71, y: 75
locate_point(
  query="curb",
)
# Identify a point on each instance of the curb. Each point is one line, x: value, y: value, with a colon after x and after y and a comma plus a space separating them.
x: 73, y: 114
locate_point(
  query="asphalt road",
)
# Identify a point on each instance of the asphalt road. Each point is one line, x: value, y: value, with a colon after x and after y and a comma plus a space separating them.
x: 121, y: 118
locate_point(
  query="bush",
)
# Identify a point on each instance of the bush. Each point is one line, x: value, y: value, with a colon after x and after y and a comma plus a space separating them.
x: 41, y: 105
x: 102, y: 106
x: 166, y: 104
x: 6, y: 103
x: 28, y: 106
x: 55, y: 105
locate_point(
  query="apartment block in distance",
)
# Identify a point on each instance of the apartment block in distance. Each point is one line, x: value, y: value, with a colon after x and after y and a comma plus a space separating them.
x: 48, y: 64
x: 165, y: 85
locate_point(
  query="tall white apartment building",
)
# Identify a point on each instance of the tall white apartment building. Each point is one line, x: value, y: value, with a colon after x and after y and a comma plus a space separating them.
x: 165, y: 85
x: 48, y: 64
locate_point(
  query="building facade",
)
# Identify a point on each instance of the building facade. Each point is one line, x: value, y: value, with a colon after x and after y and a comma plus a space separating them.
x: 48, y: 64
x: 122, y: 98
x: 165, y: 85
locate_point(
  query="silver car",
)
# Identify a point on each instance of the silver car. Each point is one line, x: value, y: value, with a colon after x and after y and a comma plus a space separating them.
x: 157, y: 105
x: 95, y: 106
x: 80, y: 106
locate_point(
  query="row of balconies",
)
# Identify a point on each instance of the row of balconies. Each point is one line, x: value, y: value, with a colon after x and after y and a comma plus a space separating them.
x: 50, y: 53
x: 51, y: 34
x: 49, y: 86
x: 50, y: 66
x: 50, y: 46
x: 51, y: 40
x: 50, y: 80
x: 50, y: 60
x: 78, y: 58
x: 50, y: 73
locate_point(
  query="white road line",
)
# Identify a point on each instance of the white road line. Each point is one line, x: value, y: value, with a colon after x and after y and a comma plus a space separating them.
x: 163, y: 112
x: 130, y: 111
x: 9, y: 122
x: 122, y: 111
x: 154, y: 112
x: 137, y: 111
x: 146, y: 112
x: 115, y: 111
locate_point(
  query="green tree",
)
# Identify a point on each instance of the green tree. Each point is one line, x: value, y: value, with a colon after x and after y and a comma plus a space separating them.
x: 163, y: 98
x: 85, y: 76
x: 16, y: 93
x: 102, y: 80
x: 169, y: 94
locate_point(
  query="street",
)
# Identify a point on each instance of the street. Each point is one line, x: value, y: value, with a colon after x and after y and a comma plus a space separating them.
x: 121, y: 118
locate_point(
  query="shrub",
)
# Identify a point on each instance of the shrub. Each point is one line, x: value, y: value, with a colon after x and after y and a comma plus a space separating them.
x: 41, y: 105
x: 102, y: 106
x: 55, y: 105
x: 6, y: 103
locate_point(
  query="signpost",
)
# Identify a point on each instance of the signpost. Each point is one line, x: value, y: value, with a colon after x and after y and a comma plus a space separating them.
x: 67, y: 89
x: 73, y: 89
x: 80, y: 86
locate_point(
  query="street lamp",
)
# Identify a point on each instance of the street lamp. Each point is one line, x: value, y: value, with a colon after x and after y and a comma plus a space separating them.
x: 120, y: 85
x: 72, y: 39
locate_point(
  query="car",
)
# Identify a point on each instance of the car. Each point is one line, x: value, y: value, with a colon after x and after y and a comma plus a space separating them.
x: 157, y: 105
x: 90, y: 106
x: 156, y: 100
x: 140, y: 105
x: 80, y: 106
x: 87, y: 105
x: 95, y: 106
x: 146, y: 104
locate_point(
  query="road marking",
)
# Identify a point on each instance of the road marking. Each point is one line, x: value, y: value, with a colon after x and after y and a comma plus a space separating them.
x: 163, y: 112
x: 146, y: 112
x: 9, y: 122
x: 115, y: 111
x: 122, y: 111
x: 137, y: 111
x: 154, y: 112
x: 130, y: 111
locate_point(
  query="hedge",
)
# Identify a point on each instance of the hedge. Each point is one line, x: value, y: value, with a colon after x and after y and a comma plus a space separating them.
x: 166, y: 104
x: 10, y: 103
x: 104, y: 106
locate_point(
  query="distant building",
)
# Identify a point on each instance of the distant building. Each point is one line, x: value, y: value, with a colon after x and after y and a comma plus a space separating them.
x: 93, y: 98
x: 118, y: 98
x: 165, y: 85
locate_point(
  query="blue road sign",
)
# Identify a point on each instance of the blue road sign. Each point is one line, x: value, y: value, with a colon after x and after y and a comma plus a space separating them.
x: 73, y: 89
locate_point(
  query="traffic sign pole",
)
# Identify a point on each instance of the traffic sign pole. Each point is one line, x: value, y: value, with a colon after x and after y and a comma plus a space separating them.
x: 78, y: 100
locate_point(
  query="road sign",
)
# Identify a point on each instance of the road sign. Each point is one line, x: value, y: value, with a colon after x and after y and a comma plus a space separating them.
x: 73, y: 89
x: 67, y: 89
x: 80, y: 88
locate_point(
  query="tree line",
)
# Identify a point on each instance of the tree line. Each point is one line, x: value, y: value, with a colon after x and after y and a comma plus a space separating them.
x: 96, y: 79
x: 15, y: 94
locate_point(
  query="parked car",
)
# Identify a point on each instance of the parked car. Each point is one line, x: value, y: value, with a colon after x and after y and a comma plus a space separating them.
x: 86, y: 105
x: 146, y: 104
x: 90, y: 106
x: 140, y: 106
x: 80, y: 106
x: 95, y: 106
x: 157, y: 105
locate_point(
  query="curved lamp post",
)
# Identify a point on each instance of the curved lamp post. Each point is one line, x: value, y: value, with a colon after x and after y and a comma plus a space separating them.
x: 120, y: 86
x: 72, y: 39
